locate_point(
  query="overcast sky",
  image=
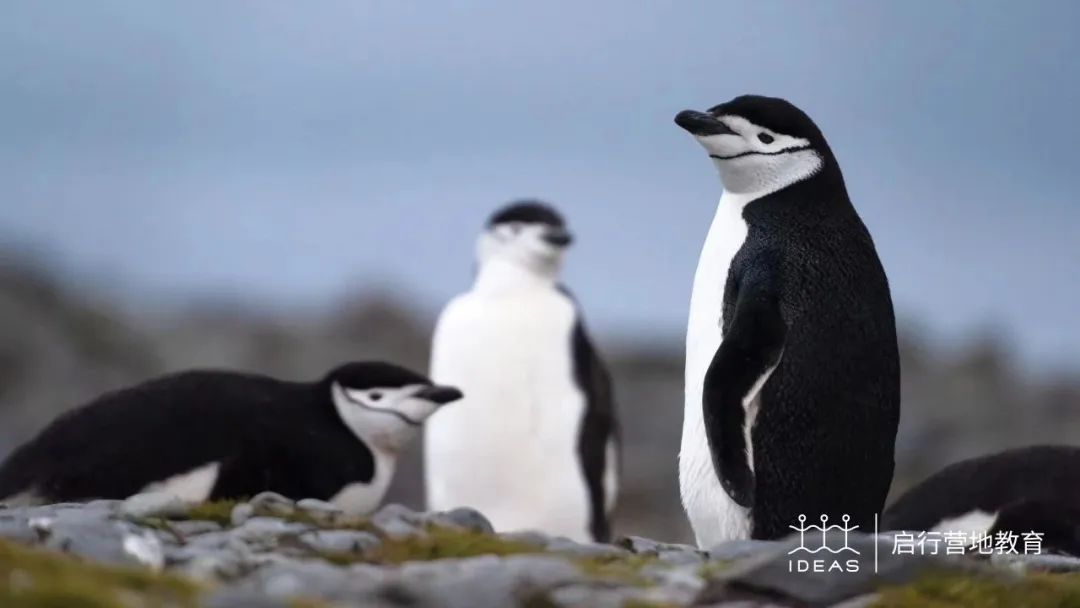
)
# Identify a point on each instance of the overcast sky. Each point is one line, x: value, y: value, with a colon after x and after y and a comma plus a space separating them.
x: 286, y: 153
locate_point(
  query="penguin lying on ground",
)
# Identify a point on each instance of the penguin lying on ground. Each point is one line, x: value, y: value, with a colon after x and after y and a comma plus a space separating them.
x: 1033, y: 489
x: 205, y: 435
x: 792, y: 370
x: 534, y: 443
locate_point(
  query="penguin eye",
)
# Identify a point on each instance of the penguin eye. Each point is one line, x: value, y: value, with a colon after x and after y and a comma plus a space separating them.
x: 765, y: 138
x: 375, y: 395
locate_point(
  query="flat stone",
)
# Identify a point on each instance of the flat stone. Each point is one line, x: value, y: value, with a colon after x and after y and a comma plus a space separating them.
x: 214, y: 566
x: 394, y: 511
x: 195, y: 527
x: 483, y: 581
x: 681, y: 557
x: 105, y: 541
x: 638, y: 544
x: 320, y: 510
x: 154, y: 504
x: 569, y: 547
x: 396, y: 528
x: 529, y: 537
x: 1045, y: 562
x: 272, y: 503
x: 740, y: 549
x: 593, y: 596
x: 342, y: 542
x: 464, y: 518
x: 266, y: 532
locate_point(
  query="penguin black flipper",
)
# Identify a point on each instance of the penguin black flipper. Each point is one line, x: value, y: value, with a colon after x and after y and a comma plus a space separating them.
x: 599, y: 428
x: 752, y: 345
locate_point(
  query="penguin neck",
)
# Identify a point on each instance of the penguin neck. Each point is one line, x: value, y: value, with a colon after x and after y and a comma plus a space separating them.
x: 497, y: 275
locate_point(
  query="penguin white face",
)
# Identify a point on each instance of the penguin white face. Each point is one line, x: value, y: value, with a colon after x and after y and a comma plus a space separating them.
x: 386, y: 410
x: 528, y: 234
x: 758, y: 144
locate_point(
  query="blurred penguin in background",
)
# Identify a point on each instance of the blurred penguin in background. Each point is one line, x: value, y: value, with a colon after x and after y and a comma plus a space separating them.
x: 534, y: 443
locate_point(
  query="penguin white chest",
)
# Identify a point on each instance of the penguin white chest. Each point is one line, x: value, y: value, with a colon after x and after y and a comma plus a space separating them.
x: 509, y: 448
x: 713, y: 515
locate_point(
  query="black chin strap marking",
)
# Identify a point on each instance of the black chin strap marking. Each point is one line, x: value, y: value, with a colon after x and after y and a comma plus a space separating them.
x: 756, y: 153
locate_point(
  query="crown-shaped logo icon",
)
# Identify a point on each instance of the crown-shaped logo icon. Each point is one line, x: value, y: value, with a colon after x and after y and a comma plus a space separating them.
x: 824, y: 529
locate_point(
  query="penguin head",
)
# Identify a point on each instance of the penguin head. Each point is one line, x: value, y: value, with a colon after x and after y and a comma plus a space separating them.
x: 384, y: 404
x: 759, y: 144
x: 529, y: 234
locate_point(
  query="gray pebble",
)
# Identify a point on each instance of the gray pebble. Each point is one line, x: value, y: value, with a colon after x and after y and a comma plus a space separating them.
x: 464, y: 518
x: 266, y: 532
x: 272, y: 503
x: 739, y: 549
x: 1046, y: 562
x: 397, y: 528
x: 320, y: 510
x: 241, y: 513
x: 569, y: 547
x: 195, y: 527
x: 154, y: 504
x: 394, y: 511
x: 342, y: 542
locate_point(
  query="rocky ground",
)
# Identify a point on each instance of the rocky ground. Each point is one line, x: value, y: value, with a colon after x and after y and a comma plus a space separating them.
x: 153, y: 550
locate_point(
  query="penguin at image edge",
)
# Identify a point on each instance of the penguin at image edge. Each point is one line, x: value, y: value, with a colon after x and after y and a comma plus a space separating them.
x: 792, y: 369
x: 211, y: 435
x: 534, y: 444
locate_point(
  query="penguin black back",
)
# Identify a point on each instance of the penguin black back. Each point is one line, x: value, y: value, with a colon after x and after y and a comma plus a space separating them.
x: 1007, y: 483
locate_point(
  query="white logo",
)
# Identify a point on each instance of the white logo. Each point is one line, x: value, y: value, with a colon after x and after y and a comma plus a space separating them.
x: 829, y: 563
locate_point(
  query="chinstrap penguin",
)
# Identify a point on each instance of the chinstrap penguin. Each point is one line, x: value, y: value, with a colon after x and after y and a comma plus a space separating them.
x: 207, y: 435
x: 792, y: 371
x: 533, y: 445
x: 1033, y: 489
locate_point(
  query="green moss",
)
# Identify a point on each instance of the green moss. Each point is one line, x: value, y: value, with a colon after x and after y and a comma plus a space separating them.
x: 31, y: 578
x: 712, y: 568
x: 635, y: 603
x: 445, y: 543
x: 218, y: 511
x: 952, y: 590
x: 621, y: 568
x: 539, y: 599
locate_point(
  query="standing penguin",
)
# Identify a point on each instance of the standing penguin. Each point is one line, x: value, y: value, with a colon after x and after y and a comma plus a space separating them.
x: 533, y: 445
x: 792, y: 370
x: 207, y: 435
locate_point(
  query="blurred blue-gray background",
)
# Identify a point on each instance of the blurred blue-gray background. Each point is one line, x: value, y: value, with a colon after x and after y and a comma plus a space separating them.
x: 281, y: 186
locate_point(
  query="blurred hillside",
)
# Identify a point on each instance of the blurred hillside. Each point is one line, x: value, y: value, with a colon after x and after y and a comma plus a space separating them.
x: 59, y: 347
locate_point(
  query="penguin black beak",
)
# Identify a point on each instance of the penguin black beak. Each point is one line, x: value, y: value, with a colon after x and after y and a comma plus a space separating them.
x: 439, y: 394
x: 702, y: 124
x: 558, y: 237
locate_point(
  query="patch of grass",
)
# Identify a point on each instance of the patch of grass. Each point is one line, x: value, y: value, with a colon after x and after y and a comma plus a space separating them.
x: 218, y: 511
x: 712, y: 568
x: 636, y: 603
x: 32, y: 578
x: 540, y: 599
x: 445, y: 543
x: 621, y: 568
x: 984, y: 591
